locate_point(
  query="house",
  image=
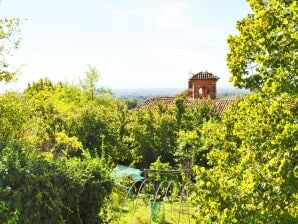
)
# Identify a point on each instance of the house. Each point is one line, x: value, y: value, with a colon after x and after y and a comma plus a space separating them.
x: 201, y: 86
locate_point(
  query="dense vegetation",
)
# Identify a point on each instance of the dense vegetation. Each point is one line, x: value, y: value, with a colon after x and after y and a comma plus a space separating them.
x: 55, y: 136
x: 253, y: 156
x: 59, y: 142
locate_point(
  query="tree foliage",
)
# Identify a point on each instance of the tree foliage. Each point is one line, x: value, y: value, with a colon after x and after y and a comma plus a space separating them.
x: 9, y: 41
x: 153, y: 132
x: 53, y: 163
x: 254, y: 155
x: 253, y: 151
x: 34, y: 190
x: 263, y: 56
x: 90, y: 84
x: 62, y: 109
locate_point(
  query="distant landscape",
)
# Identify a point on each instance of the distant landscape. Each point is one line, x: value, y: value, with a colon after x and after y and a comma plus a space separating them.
x: 135, y: 97
x: 144, y: 93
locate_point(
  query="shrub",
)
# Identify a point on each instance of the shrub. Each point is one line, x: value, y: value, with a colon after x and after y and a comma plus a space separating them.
x: 35, y: 190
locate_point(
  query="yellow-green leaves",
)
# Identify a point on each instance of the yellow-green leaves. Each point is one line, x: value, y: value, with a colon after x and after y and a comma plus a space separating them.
x: 9, y: 28
x: 66, y: 144
x: 253, y: 163
x: 263, y: 56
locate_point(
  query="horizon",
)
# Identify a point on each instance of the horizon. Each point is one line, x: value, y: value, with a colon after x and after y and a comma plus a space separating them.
x: 220, y: 89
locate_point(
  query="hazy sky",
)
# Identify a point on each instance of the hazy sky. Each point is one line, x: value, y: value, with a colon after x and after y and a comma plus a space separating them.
x: 133, y: 43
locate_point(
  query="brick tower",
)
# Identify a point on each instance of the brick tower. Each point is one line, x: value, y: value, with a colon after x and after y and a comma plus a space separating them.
x: 203, y: 85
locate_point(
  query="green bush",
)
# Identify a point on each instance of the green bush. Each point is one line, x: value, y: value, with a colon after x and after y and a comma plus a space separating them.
x: 34, y: 190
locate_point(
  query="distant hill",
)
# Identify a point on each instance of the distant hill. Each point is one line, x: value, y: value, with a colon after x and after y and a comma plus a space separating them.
x: 145, y: 93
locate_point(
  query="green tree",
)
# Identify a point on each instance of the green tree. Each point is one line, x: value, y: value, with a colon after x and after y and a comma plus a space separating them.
x: 9, y: 40
x: 151, y: 134
x: 65, y: 119
x: 154, y: 132
x: 263, y: 56
x: 14, y: 114
x: 187, y: 148
x: 90, y: 82
x: 253, y: 159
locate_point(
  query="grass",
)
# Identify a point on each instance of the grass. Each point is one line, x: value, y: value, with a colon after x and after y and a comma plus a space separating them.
x: 139, y: 213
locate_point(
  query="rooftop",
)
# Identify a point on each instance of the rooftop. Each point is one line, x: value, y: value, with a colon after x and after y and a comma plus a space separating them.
x: 220, y: 105
x: 204, y: 75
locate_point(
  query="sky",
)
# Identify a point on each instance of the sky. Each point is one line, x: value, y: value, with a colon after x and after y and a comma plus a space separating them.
x: 132, y: 43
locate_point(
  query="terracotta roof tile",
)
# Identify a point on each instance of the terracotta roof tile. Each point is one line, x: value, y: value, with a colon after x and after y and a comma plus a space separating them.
x: 204, y: 75
x: 220, y: 105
